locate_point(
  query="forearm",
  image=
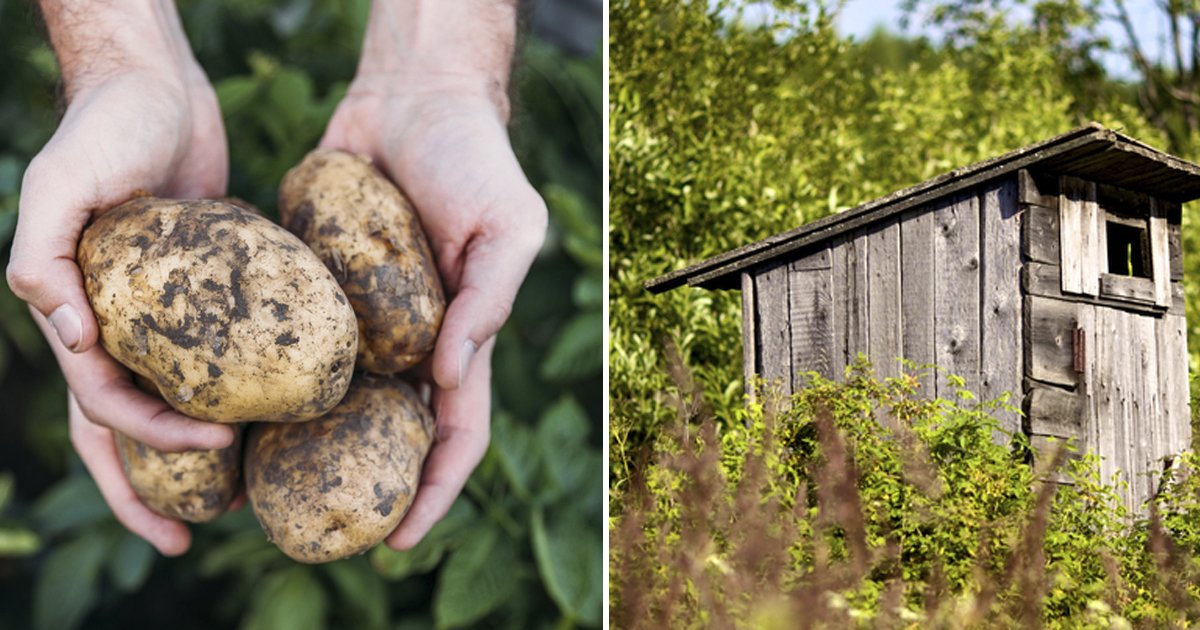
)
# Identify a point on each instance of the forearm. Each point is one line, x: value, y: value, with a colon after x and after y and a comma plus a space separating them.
x: 440, y: 45
x: 95, y: 41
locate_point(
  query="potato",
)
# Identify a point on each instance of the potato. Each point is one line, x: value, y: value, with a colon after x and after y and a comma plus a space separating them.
x: 336, y: 486
x: 193, y: 486
x: 231, y: 317
x: 367, y: 233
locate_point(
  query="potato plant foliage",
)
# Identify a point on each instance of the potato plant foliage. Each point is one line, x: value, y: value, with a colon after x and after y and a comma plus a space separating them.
x: 725, y: 130
x: 520, y: 549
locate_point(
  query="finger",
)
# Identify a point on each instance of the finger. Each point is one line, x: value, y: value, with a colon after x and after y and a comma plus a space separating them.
x: 108, y: 398
x: 42, y: 269
x: 98, y: 451
x: 238, y: 502
x: 493, y: 268
x: 463, y: 432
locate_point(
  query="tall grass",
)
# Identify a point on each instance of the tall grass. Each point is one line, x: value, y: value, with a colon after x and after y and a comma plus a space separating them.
x: 860, y: 504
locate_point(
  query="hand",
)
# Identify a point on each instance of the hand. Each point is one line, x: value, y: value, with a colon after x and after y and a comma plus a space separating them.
x: 449, y: 151
x: 146, y: 121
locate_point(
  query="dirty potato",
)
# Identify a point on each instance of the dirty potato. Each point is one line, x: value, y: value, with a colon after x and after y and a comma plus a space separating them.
x: 367, y: 233
x: 336, y: 486
x: 193, y: 486
x: 231, y: 317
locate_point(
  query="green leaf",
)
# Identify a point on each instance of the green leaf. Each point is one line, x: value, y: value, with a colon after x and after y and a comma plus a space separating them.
x: 565, y: 423
x: 236, y: 93
x: 577, y: 350
x: 290, y: 598
x: 130, y: 563
x: 8, y: 483
x: 428, y: 553
x: 291, y: 94
x: 588, y: 292
x: 10, y: 174
x: 570, y: 561
x: 513, y: 444
x: 248, y: 549
x: 476, y: 579
x: 16, y: 542
x: 68, y: 583
x: 72, y: 502
x: 360, y: 590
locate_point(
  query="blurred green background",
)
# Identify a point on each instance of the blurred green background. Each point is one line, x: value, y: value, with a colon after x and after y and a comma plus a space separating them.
x: 522, y: 546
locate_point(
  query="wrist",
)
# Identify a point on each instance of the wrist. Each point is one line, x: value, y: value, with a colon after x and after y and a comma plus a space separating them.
x: 97, y: 41
x: 439, y: 47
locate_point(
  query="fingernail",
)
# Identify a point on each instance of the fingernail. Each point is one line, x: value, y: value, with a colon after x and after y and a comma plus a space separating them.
x: 68, y: 325
x: 464, y: 360
x: 425, y: 392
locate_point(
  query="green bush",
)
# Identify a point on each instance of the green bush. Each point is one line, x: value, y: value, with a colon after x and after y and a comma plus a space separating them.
x: 863, y: 505
x: 521, y: 548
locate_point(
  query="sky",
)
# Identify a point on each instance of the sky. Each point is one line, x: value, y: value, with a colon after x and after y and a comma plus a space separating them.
x: 859, y: 18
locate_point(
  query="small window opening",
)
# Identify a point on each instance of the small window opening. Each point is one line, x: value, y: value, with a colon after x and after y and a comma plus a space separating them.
x: 1127, y: 250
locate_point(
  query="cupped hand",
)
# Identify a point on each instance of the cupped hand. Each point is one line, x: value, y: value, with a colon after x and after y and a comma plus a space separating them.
x: 130, y: 133
x: 449, y: 151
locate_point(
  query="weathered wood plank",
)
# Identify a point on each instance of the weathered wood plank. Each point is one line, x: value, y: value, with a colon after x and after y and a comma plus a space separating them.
x: 1080, y: 236
x: 810, y: 307
x: 1039, y: 240
x: 1144, y: 423
x: 1057, y: 412
x: 1036, y: 190
x: 841, y: 304
x: 1043, y: 447
x: 956, y: 295
x: 857, y: 317
x: 884, y: 346
x: 1043, y: 280
x: 1128, y: 288
x: 774, y: 330
x: 917, y: 299
x: 1086, y: 316
x: 749, y: 337
x: 1050, y: 334
x: 1173, y: 376
x: 820, y: 259
x: 1175, y: 250
x: 1160, y: 256
x: 1104, y: 373
x: 1000, y: 345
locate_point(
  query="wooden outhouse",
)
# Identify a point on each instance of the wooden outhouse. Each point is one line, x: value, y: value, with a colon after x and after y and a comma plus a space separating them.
x: 1052, y: 272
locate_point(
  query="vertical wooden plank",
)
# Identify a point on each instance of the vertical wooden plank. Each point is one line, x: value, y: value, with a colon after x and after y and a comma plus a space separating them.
x: 1102, y: 364
x: 841, y: 302
x: 1085, y: 315
x: 749, y: 337
x: 1121, y: 367
x: 774, y: 331
x: 1160, y: 256
x: 1144, y: 408
x: 857, y: 321
x: 1173, y: 374
x: 956, y: 295
x: 1094, y: 235
x: 883, y: 298
x: 917, y: 291
x: 1000, y: 331
x: 1080, y: 236
x: 810, y: 308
